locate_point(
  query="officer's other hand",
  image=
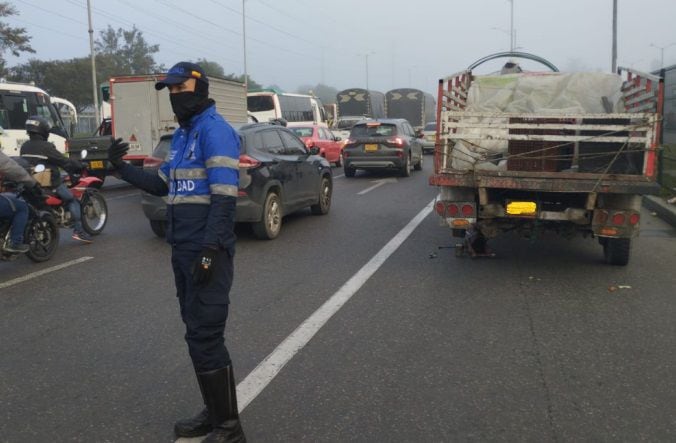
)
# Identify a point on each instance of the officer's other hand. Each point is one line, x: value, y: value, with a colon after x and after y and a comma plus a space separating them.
x: 204, y: 266
x: 116, y: 151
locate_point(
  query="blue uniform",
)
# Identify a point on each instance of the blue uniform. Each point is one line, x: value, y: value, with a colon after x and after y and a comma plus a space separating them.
x: 200, y: 178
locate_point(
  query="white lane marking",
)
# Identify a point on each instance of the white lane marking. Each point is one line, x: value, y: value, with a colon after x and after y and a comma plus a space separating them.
x: 32, y: 275
x: 118, y: 197
x: 378, y: 183
x: 267, y: 370
x: 339, y: 176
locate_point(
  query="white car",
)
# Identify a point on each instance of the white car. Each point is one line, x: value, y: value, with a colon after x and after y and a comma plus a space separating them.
x: 430, y: 136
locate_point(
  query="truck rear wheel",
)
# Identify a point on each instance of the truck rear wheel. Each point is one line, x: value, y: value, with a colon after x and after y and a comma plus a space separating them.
x: 616, y: 251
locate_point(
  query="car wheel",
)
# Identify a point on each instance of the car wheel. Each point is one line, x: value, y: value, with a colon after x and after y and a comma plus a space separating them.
x: 349, y: 172
x: 418, y: 166
x: 406, y: 168
x: 322, y: 207
x: 271, y: 223
x: 159, y: 227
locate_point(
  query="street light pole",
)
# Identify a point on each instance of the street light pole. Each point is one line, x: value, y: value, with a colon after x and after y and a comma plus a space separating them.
x: 95, y: 87
x: 367, y: 71
x: 614, y: 55
x: 246, y: 74
x: 662, y: 48
x: 512, y: 39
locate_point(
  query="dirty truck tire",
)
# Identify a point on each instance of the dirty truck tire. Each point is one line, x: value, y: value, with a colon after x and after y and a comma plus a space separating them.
x: 616, y: 251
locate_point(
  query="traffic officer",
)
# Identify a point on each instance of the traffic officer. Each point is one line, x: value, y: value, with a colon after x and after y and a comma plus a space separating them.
x: 200, y: 177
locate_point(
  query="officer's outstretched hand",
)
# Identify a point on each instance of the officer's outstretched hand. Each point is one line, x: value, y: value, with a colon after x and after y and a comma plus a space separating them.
x: 204, y: 266
x: 116, y: 151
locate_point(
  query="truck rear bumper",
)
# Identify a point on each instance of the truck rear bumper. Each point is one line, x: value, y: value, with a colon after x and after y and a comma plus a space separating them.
x: 549, y: 182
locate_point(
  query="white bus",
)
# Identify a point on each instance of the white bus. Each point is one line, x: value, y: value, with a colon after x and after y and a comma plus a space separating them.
x: 294, y: 108
x: 19, y: 101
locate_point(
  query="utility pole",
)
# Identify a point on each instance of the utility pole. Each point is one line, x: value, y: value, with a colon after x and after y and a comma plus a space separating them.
x: 95, y: 87
x: 662, y: 48
x: 512, y: 38
x: 367, y: 71
x: 614, y: 61
x: 246, y: 74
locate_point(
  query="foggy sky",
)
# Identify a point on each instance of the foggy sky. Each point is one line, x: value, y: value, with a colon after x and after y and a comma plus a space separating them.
x: 408, y: 42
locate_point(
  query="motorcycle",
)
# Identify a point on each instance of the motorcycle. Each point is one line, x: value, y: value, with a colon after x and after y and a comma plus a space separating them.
x: 41, y: 234
x: 93, y: 205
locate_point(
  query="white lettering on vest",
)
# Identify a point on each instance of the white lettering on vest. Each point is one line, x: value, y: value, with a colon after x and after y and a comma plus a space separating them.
x: 185, y: 185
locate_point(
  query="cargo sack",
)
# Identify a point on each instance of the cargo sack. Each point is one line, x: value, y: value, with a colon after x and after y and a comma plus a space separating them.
x: 43, y: 178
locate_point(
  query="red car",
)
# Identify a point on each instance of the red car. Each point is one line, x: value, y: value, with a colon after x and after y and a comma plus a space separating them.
x: 330, y: 146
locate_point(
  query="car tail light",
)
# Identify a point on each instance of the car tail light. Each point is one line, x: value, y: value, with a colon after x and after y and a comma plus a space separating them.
x: 152, y: 162
x: 467, y: 210
x: 452, y: 209
x: 247, y: 162
x: 398, y: 142
x: 634, y: 219
x: 619, y: 219
x: 440, y: 208
x: 241, y: 193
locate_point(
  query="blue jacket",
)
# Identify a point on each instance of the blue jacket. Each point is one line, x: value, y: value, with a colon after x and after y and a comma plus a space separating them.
x: 200, y: 178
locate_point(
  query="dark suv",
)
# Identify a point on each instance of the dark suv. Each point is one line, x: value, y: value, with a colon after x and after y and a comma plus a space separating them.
x: 383, y: 144
x: 277, y: 175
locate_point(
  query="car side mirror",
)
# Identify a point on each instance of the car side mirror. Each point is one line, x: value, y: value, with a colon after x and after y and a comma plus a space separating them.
x: 314, y: 150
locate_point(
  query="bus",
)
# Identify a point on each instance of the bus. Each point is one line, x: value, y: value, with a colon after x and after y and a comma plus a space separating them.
x: 294, y: 108
x: 18, y: 101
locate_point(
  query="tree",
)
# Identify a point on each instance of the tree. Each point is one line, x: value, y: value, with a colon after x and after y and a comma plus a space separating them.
x: 327, y: 94
x: 14, y: 40
x: 125, y: 52
x: 212, y: 69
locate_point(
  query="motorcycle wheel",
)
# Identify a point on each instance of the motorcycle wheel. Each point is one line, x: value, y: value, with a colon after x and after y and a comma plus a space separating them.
x: 42, y: 237
x: 94, y: 213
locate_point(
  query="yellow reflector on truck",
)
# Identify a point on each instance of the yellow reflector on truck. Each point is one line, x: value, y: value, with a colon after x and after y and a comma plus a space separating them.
x: 521, y: 208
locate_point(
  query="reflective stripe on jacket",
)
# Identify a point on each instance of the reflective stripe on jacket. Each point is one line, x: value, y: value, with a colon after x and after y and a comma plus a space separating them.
x: 203, y: 161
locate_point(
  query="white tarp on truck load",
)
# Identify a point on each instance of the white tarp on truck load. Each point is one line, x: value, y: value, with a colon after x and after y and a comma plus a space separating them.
x: 529, y: 93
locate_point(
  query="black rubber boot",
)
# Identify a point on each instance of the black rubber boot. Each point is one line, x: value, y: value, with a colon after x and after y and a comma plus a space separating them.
x: 220, y: 396
x: 196, y: 426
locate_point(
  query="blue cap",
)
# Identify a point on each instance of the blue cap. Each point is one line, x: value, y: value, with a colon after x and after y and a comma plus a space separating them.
x: 181, y: 72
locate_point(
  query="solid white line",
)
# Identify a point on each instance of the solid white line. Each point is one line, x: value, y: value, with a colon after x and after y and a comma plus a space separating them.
x: 339, y: 176
x: 267, y: 370
x: 367, y: 190
x: 32, y: 275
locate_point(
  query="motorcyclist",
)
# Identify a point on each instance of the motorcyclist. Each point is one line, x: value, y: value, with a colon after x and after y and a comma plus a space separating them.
x: 12, y: 207
x: 38, y: 150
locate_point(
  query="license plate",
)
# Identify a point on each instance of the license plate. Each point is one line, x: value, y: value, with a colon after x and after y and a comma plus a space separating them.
x: 522, y: 208
x: 370, y: 147
x: 96, y: 164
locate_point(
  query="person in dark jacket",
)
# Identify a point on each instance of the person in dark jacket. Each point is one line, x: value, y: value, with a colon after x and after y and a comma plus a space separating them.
x: 12, y: 207
x: 200, y: 178
x: 38, y: 150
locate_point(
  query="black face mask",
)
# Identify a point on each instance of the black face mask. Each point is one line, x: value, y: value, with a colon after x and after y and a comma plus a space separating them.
x: 186, y: 104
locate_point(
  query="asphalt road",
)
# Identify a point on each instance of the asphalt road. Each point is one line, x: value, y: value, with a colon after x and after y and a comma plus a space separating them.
x: 530, y: 346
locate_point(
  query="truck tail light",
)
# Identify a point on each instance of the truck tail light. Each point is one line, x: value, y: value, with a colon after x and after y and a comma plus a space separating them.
x: 634, y: 219
x: 440, y: 208
x: 467, y: 210
x: 452, y: 209
x: 619, y: 219
x: 247, y: 162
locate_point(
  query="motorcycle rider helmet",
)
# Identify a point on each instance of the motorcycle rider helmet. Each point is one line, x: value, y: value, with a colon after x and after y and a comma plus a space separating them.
x: 38, y: 125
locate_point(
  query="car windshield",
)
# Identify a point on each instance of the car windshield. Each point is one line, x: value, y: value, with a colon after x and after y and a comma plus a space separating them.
x: 431, y: 127
x: 302, y: 132
x: 373, y: 130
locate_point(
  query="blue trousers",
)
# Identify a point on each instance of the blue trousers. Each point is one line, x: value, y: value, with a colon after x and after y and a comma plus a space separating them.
x: 204, y: 310
x: 16, y: 210
x: 73, y: 205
